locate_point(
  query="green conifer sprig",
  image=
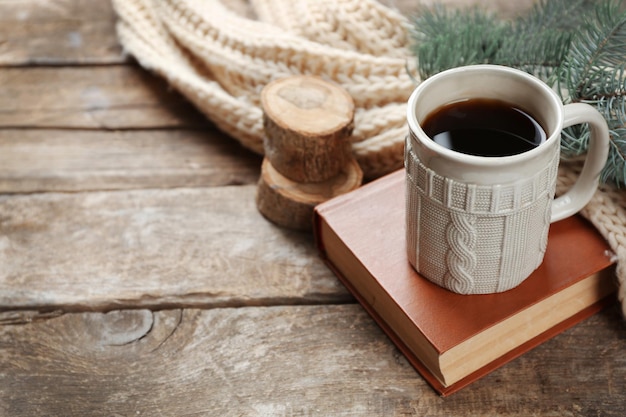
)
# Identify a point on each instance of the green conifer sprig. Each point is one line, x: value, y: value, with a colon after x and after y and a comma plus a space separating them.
x: 576, y: 46
x: 536, y: 42
x: 594, y: 72
x: 446, y: 39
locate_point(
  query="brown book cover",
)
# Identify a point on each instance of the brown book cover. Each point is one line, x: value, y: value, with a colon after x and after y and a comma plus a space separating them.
x: 454, y: 339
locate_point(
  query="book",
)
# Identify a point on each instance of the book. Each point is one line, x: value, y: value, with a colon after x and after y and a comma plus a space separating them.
x: 453, y: 339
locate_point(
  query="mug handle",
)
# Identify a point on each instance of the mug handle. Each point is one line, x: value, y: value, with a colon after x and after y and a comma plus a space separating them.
x: 585, y: 186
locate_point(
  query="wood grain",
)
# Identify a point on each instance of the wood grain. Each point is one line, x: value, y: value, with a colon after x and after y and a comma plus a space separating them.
x: 153, y: 248
x: 87, y: 160
x: 308, y: 122
x: 504, y: 8
x: 101, y: 97
x: 262, y: 361
x: 111, y: 154
x: 55, y: 32
x: 290, y: 203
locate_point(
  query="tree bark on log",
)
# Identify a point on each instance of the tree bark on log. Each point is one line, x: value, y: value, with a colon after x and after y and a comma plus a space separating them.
x: 307, y: 124
x: 290, y: 203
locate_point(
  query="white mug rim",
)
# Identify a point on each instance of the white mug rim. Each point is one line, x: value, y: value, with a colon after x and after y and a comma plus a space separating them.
x: 416, y: 131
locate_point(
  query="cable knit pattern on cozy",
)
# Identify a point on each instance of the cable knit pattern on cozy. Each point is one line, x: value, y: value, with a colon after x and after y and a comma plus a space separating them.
x: 461, y: 262
x: 220, y: 60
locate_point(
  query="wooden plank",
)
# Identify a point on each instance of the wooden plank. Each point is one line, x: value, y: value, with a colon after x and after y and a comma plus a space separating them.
x: 153, y: 249
x: 61, y: 32
x: 58, y: 32
x: 504, y: 8
x: 109, y: 97
x: 83, y: 160
x: 305, y: 360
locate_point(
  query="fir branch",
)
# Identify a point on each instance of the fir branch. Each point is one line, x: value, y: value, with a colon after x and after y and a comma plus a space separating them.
x: 446, y: 38
x: 594, y: 72
x: 563, y: 15
x: 615, y: 169
x: 576, y: 46
x: 539, y: 41
x: 536, y: 42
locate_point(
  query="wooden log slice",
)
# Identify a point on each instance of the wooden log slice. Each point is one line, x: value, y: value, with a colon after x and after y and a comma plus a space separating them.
x: 307, y: 124
x: 290, y: 203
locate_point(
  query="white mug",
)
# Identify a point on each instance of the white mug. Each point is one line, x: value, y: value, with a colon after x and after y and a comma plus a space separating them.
x: 479, y: 224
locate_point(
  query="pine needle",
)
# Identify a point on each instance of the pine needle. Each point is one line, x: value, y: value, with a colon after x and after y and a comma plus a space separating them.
x: 594, y: 72
x: 576, y: 46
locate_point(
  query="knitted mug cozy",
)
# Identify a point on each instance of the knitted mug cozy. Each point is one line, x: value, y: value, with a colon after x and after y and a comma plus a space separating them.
x: 220, y: 54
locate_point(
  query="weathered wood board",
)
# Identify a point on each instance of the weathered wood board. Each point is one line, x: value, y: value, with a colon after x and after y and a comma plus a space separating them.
x: 278, y: 361
x: 116, y: 193
x: 504, y: 8
x: 92, y: 97
x: 153, y: 248
x: 55, y: 32
x: 33, y: 160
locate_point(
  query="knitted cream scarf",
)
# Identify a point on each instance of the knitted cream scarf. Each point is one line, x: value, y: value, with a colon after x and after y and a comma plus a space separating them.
x: 220, y: 54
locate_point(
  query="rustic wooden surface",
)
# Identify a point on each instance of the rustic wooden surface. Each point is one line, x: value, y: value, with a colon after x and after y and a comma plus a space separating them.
x: 138, y: 278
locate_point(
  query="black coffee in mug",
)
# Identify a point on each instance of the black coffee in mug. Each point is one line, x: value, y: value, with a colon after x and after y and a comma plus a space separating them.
x: 484, y: 127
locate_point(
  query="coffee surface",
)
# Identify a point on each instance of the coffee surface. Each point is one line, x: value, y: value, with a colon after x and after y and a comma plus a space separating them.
x: 484, y: 127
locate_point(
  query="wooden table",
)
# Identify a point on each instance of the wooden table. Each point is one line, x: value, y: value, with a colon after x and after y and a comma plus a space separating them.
x: 138, y: 278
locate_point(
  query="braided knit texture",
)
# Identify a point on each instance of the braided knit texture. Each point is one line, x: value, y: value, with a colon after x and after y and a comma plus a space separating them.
x: 220, y: 54
x: 221, y: 60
